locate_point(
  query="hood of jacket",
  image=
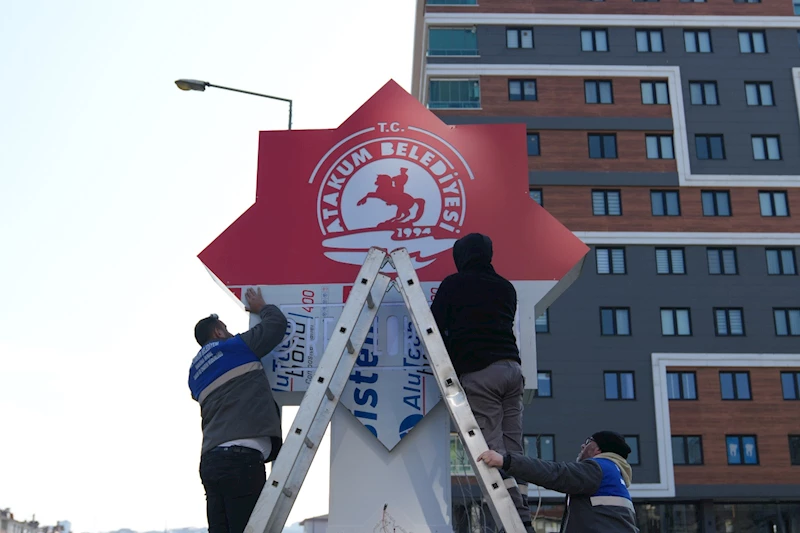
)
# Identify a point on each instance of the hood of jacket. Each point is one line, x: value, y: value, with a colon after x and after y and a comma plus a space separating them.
x: 473, y: 253
x: 624, y: 467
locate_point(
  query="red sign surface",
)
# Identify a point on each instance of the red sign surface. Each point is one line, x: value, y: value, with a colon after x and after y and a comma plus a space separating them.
x: 392, y: 175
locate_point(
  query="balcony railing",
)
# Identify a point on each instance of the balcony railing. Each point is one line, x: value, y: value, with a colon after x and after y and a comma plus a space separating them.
x: 452, y: 52
x: 452, y: 2
x: 454, y: 105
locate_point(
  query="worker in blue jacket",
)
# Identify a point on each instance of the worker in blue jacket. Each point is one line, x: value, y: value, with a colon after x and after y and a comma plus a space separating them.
x: 241, y: 420
x: 596, y: 484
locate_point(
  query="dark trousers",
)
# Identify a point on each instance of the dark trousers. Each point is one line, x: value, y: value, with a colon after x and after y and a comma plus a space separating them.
x: 233, y: 480
x: 495, y: 397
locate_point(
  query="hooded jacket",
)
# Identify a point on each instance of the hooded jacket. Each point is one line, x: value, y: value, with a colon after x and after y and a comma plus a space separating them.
x: 475, y: 308
x: 598, y: 499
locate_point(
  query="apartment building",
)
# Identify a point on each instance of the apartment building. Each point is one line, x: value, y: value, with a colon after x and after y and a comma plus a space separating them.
x: 666, y: 135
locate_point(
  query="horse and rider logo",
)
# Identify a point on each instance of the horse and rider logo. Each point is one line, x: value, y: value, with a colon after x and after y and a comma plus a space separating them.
x: 408, y: 191
x: 391, y: 190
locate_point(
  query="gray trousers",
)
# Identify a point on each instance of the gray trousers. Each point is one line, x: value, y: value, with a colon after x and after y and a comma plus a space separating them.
x: 495, y: 396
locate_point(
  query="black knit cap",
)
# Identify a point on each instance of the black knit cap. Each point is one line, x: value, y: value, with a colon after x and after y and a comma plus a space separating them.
x: 609, y: 441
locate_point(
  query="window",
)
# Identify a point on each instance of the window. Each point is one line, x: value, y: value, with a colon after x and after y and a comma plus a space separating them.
x: 752, y: 42
x: 794, y: 440
x: 759, y: 93
x: 773, y: 203
x: 781, y: 262
x: 533, y: 144
x: 610, y: 260
x: 459, y: 457
x: 540, y: 447
x: 659, y: 147
x: 598, y: 92
x: 649, y: 41
x: 693, y: 1
x: 665, y: 203
x: 543, y: 322
x: 735, y: 385
x: 633, y: 443
x: 670, y: 261
x: 594, y: 40
x: 722, y: 261
x: 519, y: 37
x: 603, y: 145
x: 703, y: 93
x: 746, y: 1
x: 709, y: 146
x: 716, y: 203
x: 545, y: 385
x: 787, y: 322
x: 697, y: 41
x: 606, y: 203
x: 452, y: 42
x: 536, y: 196
x: 796, y: 5
x: 522, y: 90
x: 675, y: 322
x: 741, y: 449
x: 619, y: 386
x: 454, y: 94
x: 790, y: 383
x: 687, y: 450
x: 766, y: 147
x: 615, y: 321
x: 655, y: 92
x: 681, y: 386
x: 729, y: 322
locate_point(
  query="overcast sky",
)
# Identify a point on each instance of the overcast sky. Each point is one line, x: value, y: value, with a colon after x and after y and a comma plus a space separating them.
x: 112, y: 181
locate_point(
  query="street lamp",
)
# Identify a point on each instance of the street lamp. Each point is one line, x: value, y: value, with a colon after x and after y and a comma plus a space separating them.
x: 197, y: 85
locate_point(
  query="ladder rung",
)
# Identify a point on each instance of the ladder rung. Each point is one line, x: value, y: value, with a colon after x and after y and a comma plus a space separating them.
x: 309, y: 443
x: 350, y: 348
x: 329, y: 394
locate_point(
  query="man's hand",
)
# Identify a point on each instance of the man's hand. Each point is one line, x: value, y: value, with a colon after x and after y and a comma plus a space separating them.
x: 491, y: 458
x: 255, y: 301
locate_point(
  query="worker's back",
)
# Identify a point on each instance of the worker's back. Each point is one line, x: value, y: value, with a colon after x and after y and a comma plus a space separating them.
x: 475, y: 308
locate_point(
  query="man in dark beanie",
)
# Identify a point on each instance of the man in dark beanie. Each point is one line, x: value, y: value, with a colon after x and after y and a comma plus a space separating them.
x: 596, y: 483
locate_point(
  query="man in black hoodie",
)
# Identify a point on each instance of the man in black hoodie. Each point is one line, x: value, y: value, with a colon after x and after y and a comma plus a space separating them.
x: 474, y: 310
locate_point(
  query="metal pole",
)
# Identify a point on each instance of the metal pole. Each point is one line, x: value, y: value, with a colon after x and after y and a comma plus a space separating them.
x: 257, y: 94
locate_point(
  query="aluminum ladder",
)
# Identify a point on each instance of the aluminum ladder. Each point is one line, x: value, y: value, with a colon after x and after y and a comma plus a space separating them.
x: 320, y: 400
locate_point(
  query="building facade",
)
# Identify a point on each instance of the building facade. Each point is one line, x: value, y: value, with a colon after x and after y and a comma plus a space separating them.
x: 666, y: 135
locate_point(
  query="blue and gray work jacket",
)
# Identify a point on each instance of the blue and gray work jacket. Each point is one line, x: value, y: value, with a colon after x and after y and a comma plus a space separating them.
x: 598, y: 499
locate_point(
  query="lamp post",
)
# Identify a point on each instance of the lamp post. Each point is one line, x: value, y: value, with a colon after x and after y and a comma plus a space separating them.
x: 197, y: 85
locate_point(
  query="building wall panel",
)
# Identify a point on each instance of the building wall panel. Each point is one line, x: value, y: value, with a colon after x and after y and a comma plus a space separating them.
x: 573, y: 207
x: 617, y: 7
x: 767, y: 415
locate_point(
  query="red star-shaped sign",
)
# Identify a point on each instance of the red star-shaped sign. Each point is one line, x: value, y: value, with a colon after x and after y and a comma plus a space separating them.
x: 392, y: 175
